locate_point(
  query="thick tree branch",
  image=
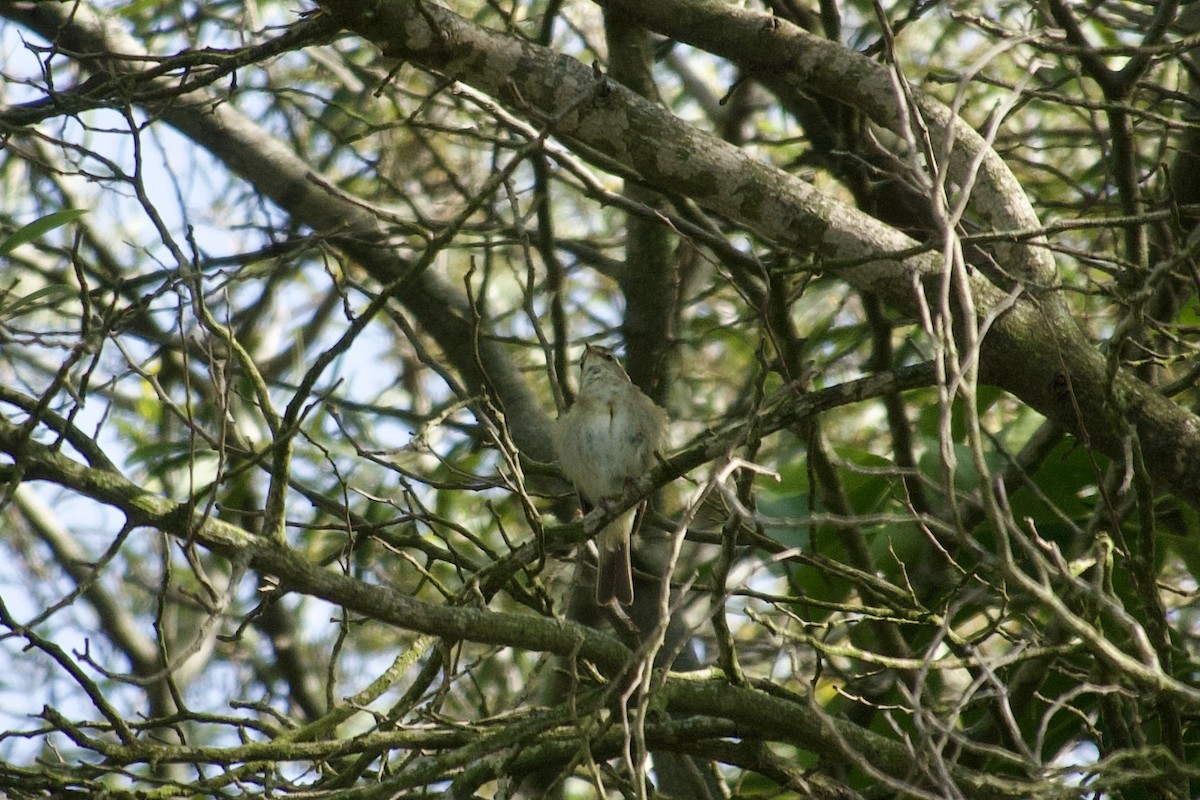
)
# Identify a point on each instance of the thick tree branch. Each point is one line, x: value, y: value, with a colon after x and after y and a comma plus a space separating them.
x: 1034, y: 349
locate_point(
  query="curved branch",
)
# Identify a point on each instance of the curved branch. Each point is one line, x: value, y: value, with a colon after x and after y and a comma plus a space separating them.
x: 763, y: 45
x: 1034, y: 348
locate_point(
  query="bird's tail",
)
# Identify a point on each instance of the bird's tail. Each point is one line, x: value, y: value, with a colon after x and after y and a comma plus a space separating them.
x: 614, y: 572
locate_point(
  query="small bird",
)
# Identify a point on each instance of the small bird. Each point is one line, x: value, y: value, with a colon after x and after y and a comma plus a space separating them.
x: 605, y: 442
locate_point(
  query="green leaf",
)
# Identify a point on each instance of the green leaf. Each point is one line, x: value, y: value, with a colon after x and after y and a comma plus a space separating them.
x: 40, y: 227
x: 52, y: 295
